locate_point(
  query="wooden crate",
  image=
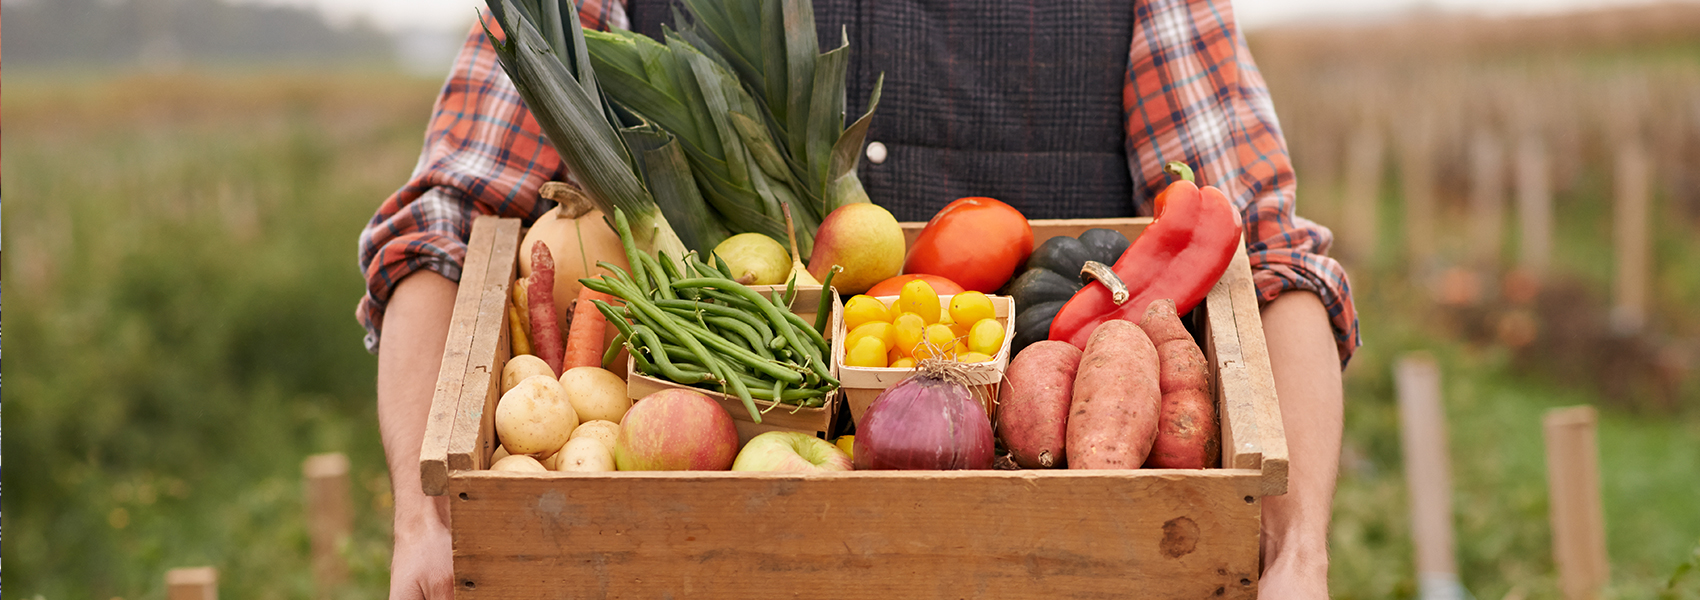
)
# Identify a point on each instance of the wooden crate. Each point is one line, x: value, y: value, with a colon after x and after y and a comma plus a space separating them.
x: 890, y: 534
x: 784, y: 417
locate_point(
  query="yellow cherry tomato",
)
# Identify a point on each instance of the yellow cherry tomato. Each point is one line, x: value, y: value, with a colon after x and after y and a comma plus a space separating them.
x: 907, y: 331
x: 960, y: 349
x: 893, y: 354
x: 847, y: 443
x: 869, y: 352
x: 937, y: 341
x: 973, y: 357
x: 886, y: 332
x: 919, y: 298
x: 970, y: 307
x: 986, y: 336
x: 903, y: 363
x: 864, y: 309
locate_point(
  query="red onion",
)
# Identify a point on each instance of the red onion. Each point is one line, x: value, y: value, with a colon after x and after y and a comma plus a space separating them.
x: 929, y: 421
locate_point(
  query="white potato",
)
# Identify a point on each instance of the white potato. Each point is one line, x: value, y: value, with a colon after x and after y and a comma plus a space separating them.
x: 585, y: 455
x: 602, y: 431
x: 519, y: 463
x: 597, y: 393
x: 535, y: 417
x: 520, y: 367
x: 500, y: 453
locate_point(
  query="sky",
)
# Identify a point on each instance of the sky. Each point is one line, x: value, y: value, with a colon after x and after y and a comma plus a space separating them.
x: 439, y: 15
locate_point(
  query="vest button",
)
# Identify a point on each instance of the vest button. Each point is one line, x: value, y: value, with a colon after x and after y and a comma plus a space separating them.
x: 876, y: 153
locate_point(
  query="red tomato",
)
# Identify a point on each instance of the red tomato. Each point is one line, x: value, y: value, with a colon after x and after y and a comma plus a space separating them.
x: 890, y: 287
x: 976, y: 242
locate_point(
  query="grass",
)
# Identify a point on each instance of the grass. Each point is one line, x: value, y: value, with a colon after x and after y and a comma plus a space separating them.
x: 182, y: 252
x: 183, y: 265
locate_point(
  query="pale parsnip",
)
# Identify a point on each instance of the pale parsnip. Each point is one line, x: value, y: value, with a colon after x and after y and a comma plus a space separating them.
x: 596, y: 393
x: 535, y: 417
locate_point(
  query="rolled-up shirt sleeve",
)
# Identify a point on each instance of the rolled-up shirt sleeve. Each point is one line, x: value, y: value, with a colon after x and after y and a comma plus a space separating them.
x: 484, y: 154
x: 1193, y: 94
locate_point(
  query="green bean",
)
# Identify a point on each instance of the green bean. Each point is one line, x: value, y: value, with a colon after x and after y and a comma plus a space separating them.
x: 670, y: 268
x: 641, y: 307
x: 659, y: 352
x: 721, y: 310
x: 721, y: 266
x: 823, y: 315
x: 776, y: 344
x: 774, y: 368
x: 613, y: 350
x: 634, y: 258
x: 663, y: 285
x: 791, y: 289
x: 744, y: 331
x: 774, y: 315
x: 613, y: 316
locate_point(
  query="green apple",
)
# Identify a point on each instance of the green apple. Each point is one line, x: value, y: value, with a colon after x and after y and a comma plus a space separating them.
x: 790, y: 451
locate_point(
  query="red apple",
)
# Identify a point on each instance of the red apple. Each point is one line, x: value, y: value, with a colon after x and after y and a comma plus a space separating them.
x: 676, y: 430
x: 790, y: 451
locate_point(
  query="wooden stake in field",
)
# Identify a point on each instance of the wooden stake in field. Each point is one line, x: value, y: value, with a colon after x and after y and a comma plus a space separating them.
x: 1361, y: 195
x: 192, y: 583
x: 1631, y: 238
x: 1487, y: 202
x: 1573, y: 482
x: 1422, y: 433
x: 330, y: 517
x: 1416, y: 174
x: 1534, y: 207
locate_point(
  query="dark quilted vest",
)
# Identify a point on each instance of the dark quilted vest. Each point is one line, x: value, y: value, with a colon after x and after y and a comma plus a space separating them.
x: 1019, y: 100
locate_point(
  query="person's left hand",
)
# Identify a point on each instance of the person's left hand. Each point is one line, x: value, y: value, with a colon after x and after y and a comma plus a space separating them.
x: 1291, y: 577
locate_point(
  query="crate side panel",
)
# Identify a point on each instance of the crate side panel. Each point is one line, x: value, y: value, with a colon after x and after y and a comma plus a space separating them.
x: 1260, y: 377
x: 445, y: 398
x: 471, y: 440
x: 1178, y: 534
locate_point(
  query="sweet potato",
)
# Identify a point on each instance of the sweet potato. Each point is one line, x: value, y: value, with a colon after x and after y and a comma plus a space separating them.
x: 540, y: 299
x: 1112, y: 420
x: 1033, y: 404
x: 1188, y: 434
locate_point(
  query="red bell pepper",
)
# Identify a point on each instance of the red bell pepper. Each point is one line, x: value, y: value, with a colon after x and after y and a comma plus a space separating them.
x: 1179, y: 256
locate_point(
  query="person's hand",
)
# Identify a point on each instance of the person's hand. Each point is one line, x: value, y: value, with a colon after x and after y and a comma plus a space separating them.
x: 422, y: 567
x: 1294, y: 577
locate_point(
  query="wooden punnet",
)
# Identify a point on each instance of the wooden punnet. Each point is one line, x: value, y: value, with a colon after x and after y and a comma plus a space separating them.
x: 889, y: 534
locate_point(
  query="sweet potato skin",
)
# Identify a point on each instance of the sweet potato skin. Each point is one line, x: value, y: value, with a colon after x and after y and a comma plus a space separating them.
x: 1033, y: 404
x: 1188, y: 433
x: 1112, y: 421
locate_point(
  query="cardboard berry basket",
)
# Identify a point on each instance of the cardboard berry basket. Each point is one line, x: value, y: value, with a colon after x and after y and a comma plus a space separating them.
x: 889, y: 534
x: 861, y: 385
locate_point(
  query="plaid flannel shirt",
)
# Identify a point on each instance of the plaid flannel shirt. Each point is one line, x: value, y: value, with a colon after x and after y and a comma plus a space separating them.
x: 1192, y: 94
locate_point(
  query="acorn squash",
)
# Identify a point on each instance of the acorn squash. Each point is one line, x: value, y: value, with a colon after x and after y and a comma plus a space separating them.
x: 1052, y: 276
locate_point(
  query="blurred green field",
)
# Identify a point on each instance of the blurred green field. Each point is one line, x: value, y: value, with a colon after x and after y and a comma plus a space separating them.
x: 182, y: 258
x: 182, y: 252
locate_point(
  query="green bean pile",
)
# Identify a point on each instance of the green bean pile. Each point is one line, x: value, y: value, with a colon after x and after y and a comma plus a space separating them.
x: 704, y: 329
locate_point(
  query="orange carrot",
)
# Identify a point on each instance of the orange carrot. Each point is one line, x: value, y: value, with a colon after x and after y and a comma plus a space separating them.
x: 584, y: 338
x: 540, y: 300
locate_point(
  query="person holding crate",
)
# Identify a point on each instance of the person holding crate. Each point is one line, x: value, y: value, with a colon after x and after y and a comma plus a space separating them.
x: 1048, y: 114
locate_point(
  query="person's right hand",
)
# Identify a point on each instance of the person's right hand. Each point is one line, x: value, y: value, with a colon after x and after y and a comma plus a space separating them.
x: 422, y: 567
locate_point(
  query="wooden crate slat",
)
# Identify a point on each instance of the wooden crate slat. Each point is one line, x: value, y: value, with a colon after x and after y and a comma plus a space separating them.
x: 445, y: 399
x: 473, y: 435
x: 1054, y: 534
x: 1242, y: 446
x: 1254, y: 351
